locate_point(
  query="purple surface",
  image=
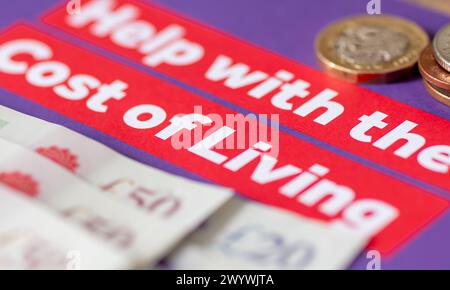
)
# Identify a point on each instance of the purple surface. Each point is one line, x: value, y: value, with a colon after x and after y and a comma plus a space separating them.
x: 288, y: 28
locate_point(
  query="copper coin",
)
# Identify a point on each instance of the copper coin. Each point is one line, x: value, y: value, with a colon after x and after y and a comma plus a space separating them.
x: 432, y: 71
x: 439, y: 94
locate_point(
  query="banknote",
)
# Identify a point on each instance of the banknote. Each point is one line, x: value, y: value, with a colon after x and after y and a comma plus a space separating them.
x: 176, y: 204
x: 32, y: 237
x: 244, y: 235
x: 169, y: 199
x: 297, y: 242
x: 140, y: 236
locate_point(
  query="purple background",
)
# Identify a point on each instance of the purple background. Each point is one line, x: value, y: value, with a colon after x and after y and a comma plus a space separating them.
x: 286, y: 27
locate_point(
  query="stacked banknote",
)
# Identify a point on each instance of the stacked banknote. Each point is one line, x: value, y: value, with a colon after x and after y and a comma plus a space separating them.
x: 69, y: 202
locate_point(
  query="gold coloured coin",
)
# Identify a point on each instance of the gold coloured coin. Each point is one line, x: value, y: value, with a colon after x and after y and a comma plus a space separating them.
x: 439, y: 94
x: 370, y: 48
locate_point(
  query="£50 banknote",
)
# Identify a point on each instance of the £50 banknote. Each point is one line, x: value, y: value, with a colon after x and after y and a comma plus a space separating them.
x: 142, y: 237
x: 34, y: 238
x: 177, y: 204
x: 164, y: 196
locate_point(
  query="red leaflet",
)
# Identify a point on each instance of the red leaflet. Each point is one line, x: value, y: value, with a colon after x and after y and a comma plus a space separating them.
x: 344, y: 115
x: 151, y: 115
